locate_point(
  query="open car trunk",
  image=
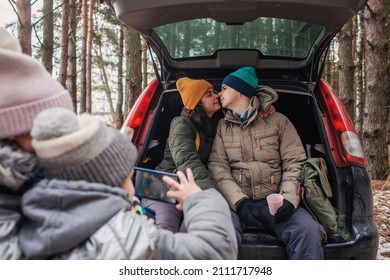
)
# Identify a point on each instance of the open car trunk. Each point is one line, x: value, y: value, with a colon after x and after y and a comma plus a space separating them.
x: 285, y: 41
x: 285, y: 36
x: 259, y: 243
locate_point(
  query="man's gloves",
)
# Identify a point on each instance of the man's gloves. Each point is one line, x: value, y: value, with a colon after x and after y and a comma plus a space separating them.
x: 284, y: 212
x: 248, y: 213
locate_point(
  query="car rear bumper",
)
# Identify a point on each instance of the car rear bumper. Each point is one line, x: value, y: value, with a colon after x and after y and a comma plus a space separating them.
x: 363, y: 244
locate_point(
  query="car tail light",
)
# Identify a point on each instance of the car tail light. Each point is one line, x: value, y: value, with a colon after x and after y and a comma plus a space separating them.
x: 138, y: 111
x: 351, y: 148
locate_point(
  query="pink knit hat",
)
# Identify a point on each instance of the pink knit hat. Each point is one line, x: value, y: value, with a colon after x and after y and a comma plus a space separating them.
x: 26, y: 89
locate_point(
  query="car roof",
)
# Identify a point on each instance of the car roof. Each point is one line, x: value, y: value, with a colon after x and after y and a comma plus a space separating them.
x: 156, y: 19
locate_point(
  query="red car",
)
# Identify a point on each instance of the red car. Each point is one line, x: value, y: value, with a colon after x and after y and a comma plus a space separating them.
x: 285, y: 42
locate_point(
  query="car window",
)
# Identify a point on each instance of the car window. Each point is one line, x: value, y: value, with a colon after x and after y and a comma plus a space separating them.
x: 270, y: 36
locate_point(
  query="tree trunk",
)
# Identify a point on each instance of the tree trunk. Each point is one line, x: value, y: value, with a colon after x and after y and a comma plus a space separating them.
x: 334, y: 68
x: 64, y: 43
x: 387, y: 32
x: 72, y: 56
x: 377, y: 90
x: 48, y: 30
x: 133, y: 75
x: 24, y: 25
x: 328, y: 68
x: 83, y: 57
x: 88, y: 73
x: 104, y: 77
x: 187, y: 40
x: 144, y: 64
x: 359, y: 72
x: 346, y: 69
x: 119, y: 104
x: 331, y: 67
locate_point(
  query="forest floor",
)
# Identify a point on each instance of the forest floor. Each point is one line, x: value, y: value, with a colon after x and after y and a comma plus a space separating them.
x: 381, y: 192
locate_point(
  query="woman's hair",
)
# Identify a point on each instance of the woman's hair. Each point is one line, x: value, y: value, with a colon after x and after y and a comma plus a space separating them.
x: 202, y: 122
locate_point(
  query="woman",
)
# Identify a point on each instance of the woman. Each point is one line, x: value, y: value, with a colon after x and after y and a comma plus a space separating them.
x: 184, y: 149
x: 22, y: 97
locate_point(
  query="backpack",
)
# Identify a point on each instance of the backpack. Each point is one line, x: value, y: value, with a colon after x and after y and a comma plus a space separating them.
x: 316, y: 192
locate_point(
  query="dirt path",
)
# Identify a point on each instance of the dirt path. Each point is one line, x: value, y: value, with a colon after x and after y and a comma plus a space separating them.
x: 381, y: 192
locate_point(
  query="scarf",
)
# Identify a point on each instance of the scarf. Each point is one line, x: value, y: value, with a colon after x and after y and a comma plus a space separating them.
x: 16, y: 166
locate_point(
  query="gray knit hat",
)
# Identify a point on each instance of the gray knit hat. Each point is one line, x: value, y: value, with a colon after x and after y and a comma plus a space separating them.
x: 26, y: 88
x: 81, y: 148
x: 244, y: 80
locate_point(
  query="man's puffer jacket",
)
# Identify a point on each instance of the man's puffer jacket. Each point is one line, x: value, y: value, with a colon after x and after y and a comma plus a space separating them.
x: 256, y: 158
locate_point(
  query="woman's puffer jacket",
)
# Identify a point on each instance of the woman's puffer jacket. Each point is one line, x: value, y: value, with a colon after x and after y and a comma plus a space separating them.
x: 10, y: 221
x: 181, y: 153
x: 17, y: 173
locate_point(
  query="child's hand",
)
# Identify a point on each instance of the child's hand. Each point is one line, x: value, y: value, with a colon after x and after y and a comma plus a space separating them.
x: 182, y: 190
x: 143, y: 217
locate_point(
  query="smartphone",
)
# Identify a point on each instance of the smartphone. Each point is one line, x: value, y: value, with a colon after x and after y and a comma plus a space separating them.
x: 149, y: 184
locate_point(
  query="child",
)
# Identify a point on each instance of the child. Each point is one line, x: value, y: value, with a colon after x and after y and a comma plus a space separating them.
x: 81, y: 210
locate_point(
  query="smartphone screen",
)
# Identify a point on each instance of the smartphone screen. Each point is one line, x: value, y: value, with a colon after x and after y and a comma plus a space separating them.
x: 149, y: 184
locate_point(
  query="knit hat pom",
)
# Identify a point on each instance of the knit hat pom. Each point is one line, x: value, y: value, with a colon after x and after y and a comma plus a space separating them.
x: 54, y: 123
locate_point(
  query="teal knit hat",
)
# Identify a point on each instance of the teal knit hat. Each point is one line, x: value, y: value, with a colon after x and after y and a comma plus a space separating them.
x: 244, y: 80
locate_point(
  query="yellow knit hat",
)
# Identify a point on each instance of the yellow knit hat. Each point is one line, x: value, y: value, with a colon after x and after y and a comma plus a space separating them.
x: 192, y: 91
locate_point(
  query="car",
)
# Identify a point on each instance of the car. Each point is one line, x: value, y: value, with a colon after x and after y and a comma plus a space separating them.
x: 286, y: 42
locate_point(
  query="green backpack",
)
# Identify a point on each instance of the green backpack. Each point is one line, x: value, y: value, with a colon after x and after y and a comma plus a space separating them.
x: 316, y: 192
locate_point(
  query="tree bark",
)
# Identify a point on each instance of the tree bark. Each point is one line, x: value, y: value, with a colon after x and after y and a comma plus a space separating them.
x: 48, y: 33
x: 24, y: 25
x: 88, y: 73
x: 83, y: 57
x: 346, y: 68
x: 331, y: 67
x: 144, y: 64
x: 359, y: 72
x: 387, y: 32
x: 377, y: 90
x: 334, y: 71
x: 104, y: 77
x: 119, y: 104
x: 64, y: 43
x: 72, y: 56
x: 133, y: 75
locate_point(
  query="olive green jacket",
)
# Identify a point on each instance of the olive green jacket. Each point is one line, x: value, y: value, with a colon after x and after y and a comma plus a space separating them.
x: 181, y: 152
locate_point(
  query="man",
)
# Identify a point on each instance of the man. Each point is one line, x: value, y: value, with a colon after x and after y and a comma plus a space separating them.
x: 253, y: 157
